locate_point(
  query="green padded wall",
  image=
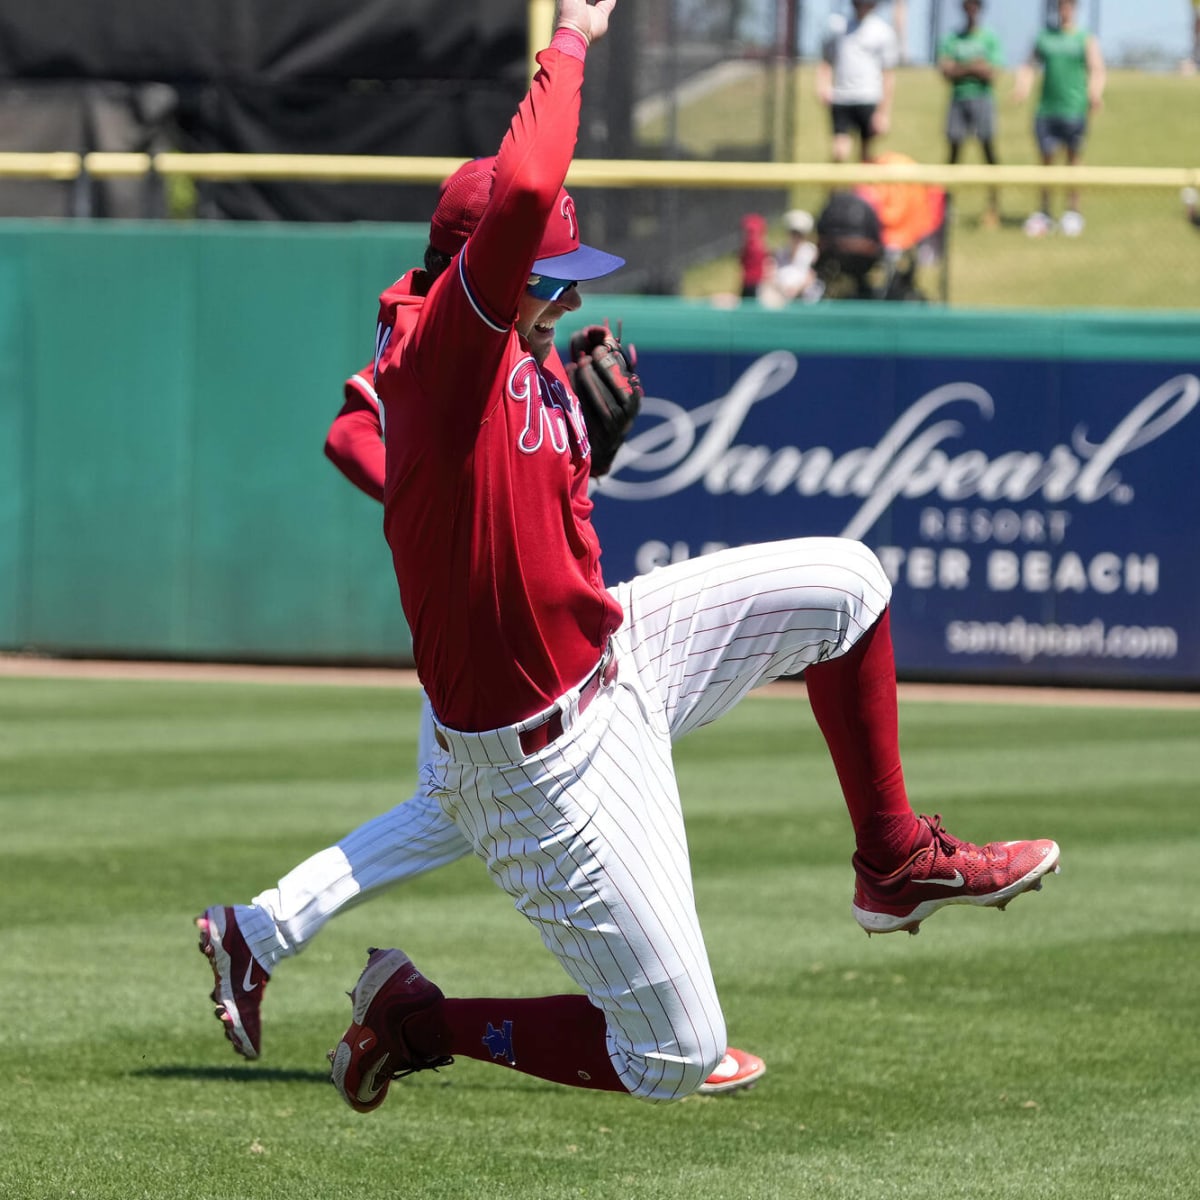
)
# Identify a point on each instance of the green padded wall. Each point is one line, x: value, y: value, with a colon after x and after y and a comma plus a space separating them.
x: 165, y: 390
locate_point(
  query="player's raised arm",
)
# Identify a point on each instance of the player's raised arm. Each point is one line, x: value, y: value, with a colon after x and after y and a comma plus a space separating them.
x: 510, y: 216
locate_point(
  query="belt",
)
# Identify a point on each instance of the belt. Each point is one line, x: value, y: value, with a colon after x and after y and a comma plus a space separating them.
x: 549, y: 730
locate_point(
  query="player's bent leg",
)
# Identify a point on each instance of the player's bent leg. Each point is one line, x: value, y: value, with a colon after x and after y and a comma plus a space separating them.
x: 402, y: 1024
x: 586, y: 836
x: 704, y: 632
x: 244, y: 942
x: 406, y: 841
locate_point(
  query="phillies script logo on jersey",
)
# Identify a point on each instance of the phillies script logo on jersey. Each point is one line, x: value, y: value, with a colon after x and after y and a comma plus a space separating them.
x: 920, y: 455
x: 552, y: 413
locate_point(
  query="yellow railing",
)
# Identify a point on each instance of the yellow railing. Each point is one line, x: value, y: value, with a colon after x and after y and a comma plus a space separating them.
x: 609, y: 173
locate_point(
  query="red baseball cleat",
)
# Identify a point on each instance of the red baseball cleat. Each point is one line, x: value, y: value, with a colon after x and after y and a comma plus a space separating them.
x: 737, y: 1070
x: 373, y: 1051
x: 948, y: 871
x: 240, y: 979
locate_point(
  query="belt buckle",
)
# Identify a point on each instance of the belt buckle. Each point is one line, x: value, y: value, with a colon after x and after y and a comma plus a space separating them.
x: 539, y: 736
x: 607, y: 668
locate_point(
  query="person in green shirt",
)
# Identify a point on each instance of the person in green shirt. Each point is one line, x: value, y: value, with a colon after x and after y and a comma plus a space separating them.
x: 968, y: 61
x: 1073, y: 78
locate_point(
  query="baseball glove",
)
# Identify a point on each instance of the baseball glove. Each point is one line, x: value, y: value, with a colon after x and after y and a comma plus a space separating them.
x: 603, y: 375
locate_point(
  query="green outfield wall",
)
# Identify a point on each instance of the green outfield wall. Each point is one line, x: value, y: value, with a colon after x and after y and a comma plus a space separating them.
x: 165, y: 391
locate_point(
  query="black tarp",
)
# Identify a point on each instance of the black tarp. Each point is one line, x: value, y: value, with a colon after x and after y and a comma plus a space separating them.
x: 423, y: 77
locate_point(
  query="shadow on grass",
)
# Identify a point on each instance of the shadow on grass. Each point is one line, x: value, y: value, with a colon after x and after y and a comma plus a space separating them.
x: 249, y: 1074
x: 235, y: 1074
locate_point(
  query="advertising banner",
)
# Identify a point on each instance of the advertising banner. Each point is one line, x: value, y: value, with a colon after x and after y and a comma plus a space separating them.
x: 1038, y: 513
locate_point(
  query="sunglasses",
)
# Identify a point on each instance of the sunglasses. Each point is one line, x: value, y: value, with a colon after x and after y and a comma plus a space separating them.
x: 546, y: 288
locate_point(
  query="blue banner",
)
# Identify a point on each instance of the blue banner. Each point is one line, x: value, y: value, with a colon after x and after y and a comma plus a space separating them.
x: 1038, y: 516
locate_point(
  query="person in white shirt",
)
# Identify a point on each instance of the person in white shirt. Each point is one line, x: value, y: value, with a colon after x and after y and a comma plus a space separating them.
x: 856, y: 78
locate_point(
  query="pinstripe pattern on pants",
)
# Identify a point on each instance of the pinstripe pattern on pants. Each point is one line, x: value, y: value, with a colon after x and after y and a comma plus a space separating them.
x: 587, y: 835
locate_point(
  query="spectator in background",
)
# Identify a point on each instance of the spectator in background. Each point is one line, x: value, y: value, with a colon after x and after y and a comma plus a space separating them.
x: 968, y: 61
x: 912, y: 220
x: 1191, y: 205
x: 1189, y: 65
x: 794, y: 277
x: 900, y: 25
x: 755, y: 255
x: 856, y: 78
x: 1073, y: 77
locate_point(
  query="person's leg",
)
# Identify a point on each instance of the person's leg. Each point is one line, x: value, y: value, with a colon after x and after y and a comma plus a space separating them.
x: 409, y: 840
x: 586, y: 835
x: 956, y: 130
x: 1074, y: 152
x: 841, y: 126
x: 1074, y: 132
x: 715, y: 627
x: 1040, y: 222
x: 985, y: 126
x: 757, y: 613
x: 989, y: 156
x: 865, y: 120
x: 245, y: 942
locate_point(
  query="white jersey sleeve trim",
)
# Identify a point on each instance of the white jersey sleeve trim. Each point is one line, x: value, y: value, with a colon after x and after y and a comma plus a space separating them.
x: 470, y: 295
x: 367, y: 392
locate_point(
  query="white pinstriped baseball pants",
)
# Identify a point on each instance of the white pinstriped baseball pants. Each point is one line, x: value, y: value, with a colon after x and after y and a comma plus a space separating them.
x: 587, y: 835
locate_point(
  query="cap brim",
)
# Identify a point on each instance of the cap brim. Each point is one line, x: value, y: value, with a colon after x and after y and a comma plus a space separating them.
x: 584, y: 263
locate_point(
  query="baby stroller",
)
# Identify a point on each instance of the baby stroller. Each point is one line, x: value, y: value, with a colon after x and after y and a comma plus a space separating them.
x: 849, y: 248
x: 871, y: 241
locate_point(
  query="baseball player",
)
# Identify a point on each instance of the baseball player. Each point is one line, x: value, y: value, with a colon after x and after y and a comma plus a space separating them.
x: 243, y: 943
x: 556, y: 700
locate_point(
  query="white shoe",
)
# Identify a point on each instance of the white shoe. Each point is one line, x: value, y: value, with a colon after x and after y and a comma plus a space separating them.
x: 1038, y: 224
x: 1071, y: 223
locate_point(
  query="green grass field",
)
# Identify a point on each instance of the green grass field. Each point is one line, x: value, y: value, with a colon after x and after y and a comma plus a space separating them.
x: 1049, y: 1051
x: 1137, y: 251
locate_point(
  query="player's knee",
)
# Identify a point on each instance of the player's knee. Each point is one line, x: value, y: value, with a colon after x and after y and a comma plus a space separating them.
x: 858, y: 577
x: 876, y: 578
x: 674, y: 1070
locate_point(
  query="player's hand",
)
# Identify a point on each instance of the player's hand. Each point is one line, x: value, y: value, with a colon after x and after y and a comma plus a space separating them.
x: 589, y: 19
x: 881, y: 122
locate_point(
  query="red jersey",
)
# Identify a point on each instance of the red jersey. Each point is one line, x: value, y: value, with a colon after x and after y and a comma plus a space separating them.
x: 486, y: 507
x: 354, y: 443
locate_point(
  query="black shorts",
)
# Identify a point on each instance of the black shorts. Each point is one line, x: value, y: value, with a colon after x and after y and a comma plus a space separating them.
x: 850, y: 117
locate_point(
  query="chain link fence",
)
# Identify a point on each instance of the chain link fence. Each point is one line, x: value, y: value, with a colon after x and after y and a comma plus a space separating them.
x: 717, y: 81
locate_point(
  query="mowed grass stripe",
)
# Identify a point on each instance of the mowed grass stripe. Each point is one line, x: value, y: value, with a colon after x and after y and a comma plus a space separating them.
x: 1043, y: 1052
